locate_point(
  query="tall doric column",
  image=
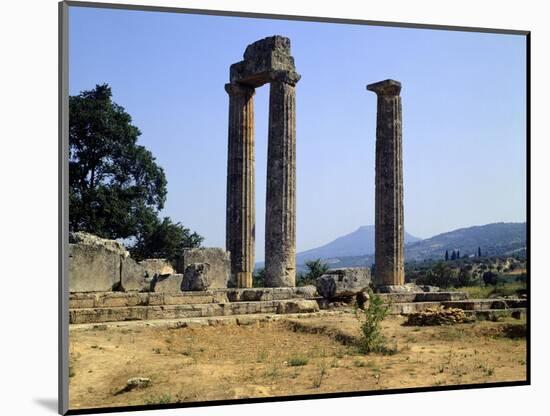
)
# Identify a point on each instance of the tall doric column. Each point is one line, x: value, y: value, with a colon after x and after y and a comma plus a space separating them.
x: 240, y: 215
x: 280, y: 228
x: 389, y: 229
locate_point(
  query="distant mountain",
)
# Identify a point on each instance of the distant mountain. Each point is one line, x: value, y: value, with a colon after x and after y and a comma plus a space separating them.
x: 360, y: 242
x: 497, y: 239
x: 357, y: 249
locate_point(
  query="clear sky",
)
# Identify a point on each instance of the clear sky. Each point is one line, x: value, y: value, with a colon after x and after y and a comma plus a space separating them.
x: 464, y: 116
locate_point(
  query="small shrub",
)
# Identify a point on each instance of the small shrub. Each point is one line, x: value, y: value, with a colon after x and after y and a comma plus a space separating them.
x: 297, y: 361
x: 372, y: 339
x: 322, y: 372
x: 262, y: 356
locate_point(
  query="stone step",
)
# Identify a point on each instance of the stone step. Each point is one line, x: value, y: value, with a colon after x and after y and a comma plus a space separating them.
x: 404, y: 308
x: 121, y: 299
x: 466, y: 305
x: 149, y: 312
x: 495, y: 314
x: 423, y: 297
x: 485, y: 304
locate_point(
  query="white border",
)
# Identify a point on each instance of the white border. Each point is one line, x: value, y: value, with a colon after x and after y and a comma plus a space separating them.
x: 29, y: 220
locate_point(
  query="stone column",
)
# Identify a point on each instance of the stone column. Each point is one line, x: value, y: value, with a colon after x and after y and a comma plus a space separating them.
x: 389, y: 229
x: 280, y: 226
x: 240, y: 214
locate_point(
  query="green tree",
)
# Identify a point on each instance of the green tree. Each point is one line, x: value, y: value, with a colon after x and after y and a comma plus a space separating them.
x: 465, y: 278
x: 446, y: 255
x: 258, y: 278
x: 114, y: 182
x: 490, y: 278
x: 315, y: 269
x: 439, y: 275
x: 116, y: 189
x: 163, y: 239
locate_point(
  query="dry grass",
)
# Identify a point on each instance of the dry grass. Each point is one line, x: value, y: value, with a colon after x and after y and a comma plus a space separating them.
x: 284, y: 358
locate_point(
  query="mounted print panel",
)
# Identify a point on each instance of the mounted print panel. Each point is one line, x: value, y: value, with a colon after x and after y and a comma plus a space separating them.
x: 267, y: 208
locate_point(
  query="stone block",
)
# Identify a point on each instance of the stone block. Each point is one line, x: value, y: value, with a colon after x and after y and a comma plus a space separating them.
x: 345, y: 282
x: 217, y: 259
x: 167, y: 283
x: 297, y: 306
x: 95, y: 241
x: 93, y: 268
x: 157, y: 267
x: 133, y: 276
x: 197, y: 277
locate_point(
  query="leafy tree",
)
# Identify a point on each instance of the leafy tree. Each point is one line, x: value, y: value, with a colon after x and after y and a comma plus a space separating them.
x: 258, y: 278
x: 490, y: 278
x: 439, y: 275
x: 465, y: 278
x: 315, y: 269
x: 453, y: 255
x: 116, y: 189
x: 479, y: 251
x: 164, y: 239
x: 114, y: 182
x: 446, y: 255
x: 458, y: 254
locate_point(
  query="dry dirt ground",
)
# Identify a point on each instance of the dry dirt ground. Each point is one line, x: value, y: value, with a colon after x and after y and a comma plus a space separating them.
x: 285, y: 357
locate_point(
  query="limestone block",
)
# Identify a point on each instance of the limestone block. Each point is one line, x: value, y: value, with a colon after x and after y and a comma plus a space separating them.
x: 217, y: 259
x: 156, y: 267
x: 197, y: 277
x: 93, y: 268
x: 167, y: 283
x: 345, y: 282
x: 297, y: 306
x: 95, y: 241
x: 133, y: 276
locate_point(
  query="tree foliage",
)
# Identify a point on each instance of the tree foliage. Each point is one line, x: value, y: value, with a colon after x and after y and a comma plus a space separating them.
x: 116, y: 188
x: 114, y: 182
x: 315, y: 269
x: 164, y: 239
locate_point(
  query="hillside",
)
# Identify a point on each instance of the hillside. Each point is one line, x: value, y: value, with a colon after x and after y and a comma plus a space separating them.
x: 357, y: 243
x: 357, y: 248
x: 497, y: 239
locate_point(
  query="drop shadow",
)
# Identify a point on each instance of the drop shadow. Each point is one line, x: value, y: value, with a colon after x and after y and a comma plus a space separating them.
x: 49, y: 404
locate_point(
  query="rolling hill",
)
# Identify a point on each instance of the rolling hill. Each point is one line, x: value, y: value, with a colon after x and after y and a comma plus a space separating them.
x: 359, y: 242
x: 357, y: 248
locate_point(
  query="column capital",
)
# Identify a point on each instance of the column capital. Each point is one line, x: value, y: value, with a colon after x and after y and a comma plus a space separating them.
x: 234, y: 88
x: 388, y: 87
x: 288, y: 77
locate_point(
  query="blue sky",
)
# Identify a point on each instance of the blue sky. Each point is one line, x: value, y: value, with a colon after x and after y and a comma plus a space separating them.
x: 463, y: 100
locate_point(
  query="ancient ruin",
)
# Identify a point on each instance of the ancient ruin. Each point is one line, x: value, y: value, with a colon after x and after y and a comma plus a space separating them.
x: 389, y: 231
x: 212, y: 284
x: 265, y: 61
